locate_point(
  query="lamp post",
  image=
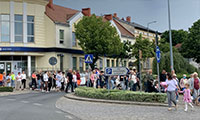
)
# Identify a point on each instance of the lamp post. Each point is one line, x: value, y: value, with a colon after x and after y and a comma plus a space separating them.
x: 170, y: 38
x: 148, y: 26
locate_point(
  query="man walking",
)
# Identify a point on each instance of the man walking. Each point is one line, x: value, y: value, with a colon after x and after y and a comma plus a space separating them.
x: 69, y: 81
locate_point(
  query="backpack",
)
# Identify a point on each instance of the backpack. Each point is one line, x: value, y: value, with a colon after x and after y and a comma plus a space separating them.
x: 196, y: 83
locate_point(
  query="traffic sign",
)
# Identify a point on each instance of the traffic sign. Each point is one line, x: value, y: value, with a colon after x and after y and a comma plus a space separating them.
x: 88, y: 58
x: 52, y: 61
x: 116, y: 71
x: 158, y: 54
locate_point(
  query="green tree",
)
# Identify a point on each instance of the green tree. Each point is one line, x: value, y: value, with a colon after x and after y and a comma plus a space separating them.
x: 181, y: 65
x: 97, y: 37
x: 126, y: 51
x: 178, y: 36
x: 191, y: 47
x: 145, y: 46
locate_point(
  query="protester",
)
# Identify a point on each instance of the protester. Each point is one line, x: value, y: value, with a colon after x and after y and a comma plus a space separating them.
x: 183, y: 81
x: 78, y: 78
x: 87, y: 78
x: 13, y: 80
x: 18, y: 82
x: 75, y: 85
x: 54, y: 80
x: 163, y: 76
x: 1, y: 79
x: 45, y: 77
x: 102, y: 79
x: 195, y: 84
x: 4, y: 79
x: 63, y: 82
x: 59, y: 78
x: 187, y: 96
x: 8, y: 80
x: 150, y: 80
x: 69, y: 81
x: 50, y: 80
x: 23, y: 80
x: 171, y: 87
x: 133, y: 81
x: 39, y: 81
x: 176, y: 91
x: 34, y: 82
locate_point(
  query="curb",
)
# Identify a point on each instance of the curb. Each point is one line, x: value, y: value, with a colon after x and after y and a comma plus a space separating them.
x: 74, y: 97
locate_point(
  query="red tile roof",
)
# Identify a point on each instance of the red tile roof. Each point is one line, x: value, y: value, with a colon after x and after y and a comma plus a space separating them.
x: 123, y: 30
x: 60, y: 14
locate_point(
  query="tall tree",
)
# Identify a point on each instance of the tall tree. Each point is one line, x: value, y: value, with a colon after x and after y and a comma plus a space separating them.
x: 145, y: 46
x: 97, y: 37
x: 178, y: 36
x: 191, y: 47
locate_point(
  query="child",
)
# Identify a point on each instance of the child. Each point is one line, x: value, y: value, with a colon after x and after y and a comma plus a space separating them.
x: 187, y: 96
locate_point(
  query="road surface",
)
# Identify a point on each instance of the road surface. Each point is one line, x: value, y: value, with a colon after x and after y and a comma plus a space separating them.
x: 33, y: 106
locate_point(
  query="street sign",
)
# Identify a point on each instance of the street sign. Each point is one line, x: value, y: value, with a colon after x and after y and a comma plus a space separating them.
x: 88, y: 58
x: 116, y: 71
x: 52, y: 61
x: 158, y: 54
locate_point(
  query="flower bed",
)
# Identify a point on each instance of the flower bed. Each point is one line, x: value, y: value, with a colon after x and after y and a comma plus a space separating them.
x: 120, y: 95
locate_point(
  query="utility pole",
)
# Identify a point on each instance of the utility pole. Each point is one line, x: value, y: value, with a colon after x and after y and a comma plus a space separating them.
x: 170, y: 39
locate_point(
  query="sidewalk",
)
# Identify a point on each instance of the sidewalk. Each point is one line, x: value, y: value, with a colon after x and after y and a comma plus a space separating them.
x: 15, y: 92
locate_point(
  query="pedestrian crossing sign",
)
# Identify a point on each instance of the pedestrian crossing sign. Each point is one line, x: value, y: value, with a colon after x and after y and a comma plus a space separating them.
x: 88, y: 58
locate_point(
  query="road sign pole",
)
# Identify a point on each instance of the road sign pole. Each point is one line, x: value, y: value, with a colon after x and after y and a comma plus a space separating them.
x: 158, y: 71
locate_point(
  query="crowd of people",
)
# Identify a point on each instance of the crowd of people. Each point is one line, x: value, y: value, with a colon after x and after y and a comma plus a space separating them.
x: 61, y: 81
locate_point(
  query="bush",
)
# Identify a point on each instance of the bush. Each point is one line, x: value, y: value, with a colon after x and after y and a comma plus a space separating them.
x: 6, y: 89
x: 120, y: 95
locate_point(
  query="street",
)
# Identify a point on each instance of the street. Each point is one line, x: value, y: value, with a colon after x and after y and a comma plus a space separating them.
x: 32, y: 106
x: 106, y: 111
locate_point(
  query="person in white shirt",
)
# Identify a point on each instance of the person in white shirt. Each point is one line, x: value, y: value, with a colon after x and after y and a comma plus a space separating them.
x: 23, y: 80
x: 74, y: 79
x: 45, y: 77
x: 59, y: 78
x: 18, y: 82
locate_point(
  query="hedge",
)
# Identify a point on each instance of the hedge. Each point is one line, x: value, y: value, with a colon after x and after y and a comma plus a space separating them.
x: 120, y: 95
x: 6, y: 89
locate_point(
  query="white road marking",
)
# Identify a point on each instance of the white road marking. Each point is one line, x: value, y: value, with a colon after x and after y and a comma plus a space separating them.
x: 24, y: 101
x: 11, y: 99
x: 38, y: 104
x: 58, y: 112
x: 69, y: 117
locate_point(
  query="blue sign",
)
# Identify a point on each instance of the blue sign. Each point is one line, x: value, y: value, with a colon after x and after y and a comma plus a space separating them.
x: 158, y: 54
x: 88, y: 58
x: 109, y: 71
x: 52, y: 61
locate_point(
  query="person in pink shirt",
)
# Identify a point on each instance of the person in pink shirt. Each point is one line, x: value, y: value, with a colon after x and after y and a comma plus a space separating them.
x: 187, y: 96
x: 92, y: 78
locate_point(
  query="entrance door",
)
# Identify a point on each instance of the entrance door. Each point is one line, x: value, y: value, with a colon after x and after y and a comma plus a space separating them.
x: 2, y: 67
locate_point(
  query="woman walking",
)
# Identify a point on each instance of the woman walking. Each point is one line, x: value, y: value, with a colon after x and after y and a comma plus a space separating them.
x: 23, y: 80
x: 171, y: 87
x: 18, y: 82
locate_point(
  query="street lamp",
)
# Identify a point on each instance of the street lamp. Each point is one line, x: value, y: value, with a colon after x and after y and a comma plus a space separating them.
x: 170, y: 39
x: 148, y: 26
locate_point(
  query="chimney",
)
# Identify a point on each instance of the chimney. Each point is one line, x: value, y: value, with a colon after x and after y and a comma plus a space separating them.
x: 108, y: 17
x: 50, y: 4
x: 86, y: 11
x: 128, y: 19
x: 115, y: 15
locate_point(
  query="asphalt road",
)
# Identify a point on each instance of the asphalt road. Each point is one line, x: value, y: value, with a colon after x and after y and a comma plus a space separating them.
x: 33, y: 106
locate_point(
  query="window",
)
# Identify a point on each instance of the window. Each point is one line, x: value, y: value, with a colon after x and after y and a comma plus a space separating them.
x: 81, y: 64
x: 125, y: 63
x: 5, y: 28
x: 117, y: 63
x: 108, y: 63
x: 74, y: 59
x: 61, y: 36
x: 113, y: 63
x: 18, y: 28
x: 30, y: 28
x: 100, y: 64
x: 73, y: 39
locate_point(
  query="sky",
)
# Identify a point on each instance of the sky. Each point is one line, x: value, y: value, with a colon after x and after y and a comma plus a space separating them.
x: 183, y: 12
